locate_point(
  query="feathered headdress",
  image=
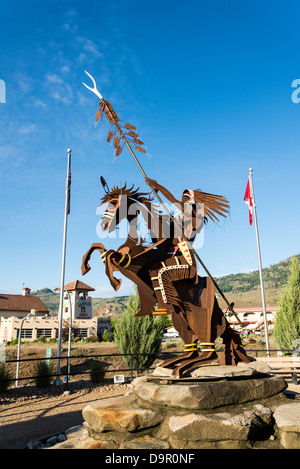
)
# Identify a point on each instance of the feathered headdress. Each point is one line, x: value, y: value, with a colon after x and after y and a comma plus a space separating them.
x: 213, y: 204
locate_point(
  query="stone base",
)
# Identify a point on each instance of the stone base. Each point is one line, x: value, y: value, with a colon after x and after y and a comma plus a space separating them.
x: 245, y: 370
x: 204, y: 395
x: 238, y: 411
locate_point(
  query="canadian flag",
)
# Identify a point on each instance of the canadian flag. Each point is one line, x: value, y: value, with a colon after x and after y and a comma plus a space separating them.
x: 248, y: 200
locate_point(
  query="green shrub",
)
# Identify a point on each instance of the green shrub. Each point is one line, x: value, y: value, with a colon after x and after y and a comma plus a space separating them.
x: 44, y: 372
x: 4, y: 376
x: 105, y: 336
x: 138, y: 335
x: 92, y: 339
x: 287, y: 321
x: 14, y: 342
x: 97, y: 372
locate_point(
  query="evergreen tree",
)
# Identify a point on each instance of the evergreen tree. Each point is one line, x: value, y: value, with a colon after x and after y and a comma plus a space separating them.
x: 287, y: 323
x: 138, y: 335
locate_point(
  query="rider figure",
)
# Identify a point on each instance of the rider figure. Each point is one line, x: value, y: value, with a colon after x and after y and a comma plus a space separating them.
x: 180, y: 263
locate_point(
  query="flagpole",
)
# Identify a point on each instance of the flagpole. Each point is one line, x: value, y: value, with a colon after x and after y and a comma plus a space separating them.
x: 259, y: 262
x: 58, y: 380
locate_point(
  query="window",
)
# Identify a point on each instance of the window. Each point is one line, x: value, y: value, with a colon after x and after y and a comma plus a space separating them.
x: 81, y: 332
x: 25, y: 334
x: 44, y: 333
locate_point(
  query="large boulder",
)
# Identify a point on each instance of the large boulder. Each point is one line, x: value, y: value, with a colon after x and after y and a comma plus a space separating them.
x: 287, y: 418
x: 207, y: 395
x: 121, y: 414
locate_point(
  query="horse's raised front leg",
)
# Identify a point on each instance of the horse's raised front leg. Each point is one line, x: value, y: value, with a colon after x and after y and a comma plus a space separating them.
x: 85, y: 267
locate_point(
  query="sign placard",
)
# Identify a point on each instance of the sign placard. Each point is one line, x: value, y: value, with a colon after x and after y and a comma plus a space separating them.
x: 119, y: 379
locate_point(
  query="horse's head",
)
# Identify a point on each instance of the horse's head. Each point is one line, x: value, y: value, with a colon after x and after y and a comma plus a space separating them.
x: 123, y: 203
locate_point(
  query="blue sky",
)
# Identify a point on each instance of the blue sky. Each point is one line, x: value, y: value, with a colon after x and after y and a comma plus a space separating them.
x: 208, y: 86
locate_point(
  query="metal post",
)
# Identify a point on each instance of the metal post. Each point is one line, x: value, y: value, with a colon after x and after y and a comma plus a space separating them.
x: 69, y: 340
x: 259, y: 263
x: 19, y: 350
x: 58, y: 381
x: 131, y: 376
x: 30, y: 315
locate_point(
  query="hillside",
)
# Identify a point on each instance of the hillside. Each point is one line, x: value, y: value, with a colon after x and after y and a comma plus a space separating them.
x: 104, y: 306
x: 275, y: 277
x: 243, y: 289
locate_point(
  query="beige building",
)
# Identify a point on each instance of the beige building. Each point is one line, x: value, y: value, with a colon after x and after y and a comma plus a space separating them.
x: 14, y: 308
x: 252, y: 317
x: 21, y: 305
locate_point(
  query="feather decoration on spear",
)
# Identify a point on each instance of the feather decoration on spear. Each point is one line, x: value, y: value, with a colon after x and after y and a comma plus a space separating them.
x: 120, y: 131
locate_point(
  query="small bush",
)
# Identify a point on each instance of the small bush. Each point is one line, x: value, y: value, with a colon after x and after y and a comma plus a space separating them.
x: 97, y: 372
x: 105, y: 336
x: 43, y: 376
x: 92, y: 339
x: 4, y: 376
x: 14, y: 342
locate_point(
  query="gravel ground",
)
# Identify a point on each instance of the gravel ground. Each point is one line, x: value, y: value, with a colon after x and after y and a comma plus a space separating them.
x: 28, y: 413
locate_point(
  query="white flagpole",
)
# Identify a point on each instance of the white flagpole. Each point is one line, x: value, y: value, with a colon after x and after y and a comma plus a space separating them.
x: 259, y: 263
x: 67, y: 197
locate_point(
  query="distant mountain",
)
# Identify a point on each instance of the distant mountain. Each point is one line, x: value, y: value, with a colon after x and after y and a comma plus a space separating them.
x: 49, y: 298
x: 243, y: 289
x: 103, y: 306
x: 274, y: 277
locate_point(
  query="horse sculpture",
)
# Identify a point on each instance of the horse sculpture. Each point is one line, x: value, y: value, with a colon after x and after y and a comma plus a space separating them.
x: 165, y: 272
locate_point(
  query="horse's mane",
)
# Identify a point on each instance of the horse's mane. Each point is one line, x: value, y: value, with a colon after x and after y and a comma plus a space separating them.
x: 133, y: 194
x: 149, y: 210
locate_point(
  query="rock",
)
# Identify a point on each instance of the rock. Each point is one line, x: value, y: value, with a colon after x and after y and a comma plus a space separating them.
x: 144, y: 443
x: 61, y: 437
x: 119, y: 414
x: 287, y: 418
x: 51, y: 441
x: 256, y: 365
x: 223, y: 371
x: 220, y: 371
x: 33, y: 444
x: 92, y: 443
x: 76, y: 432
x: 67, y: 444
x: 161, y: 371
x: 245, y: 425
x: 208, y: 395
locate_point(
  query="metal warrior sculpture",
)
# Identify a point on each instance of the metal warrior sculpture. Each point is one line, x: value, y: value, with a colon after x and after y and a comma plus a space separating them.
x: 165, y: 272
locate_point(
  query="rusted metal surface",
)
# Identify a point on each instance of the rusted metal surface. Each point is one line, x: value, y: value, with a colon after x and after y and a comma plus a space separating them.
x: 165, y: 278
x: 165, y: 272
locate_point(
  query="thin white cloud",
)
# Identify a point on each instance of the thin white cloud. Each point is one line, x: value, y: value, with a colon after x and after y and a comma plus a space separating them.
x: 90, y: 46
x: 53, y: 78
x: 39, y: 103
x: 27, y: 129
x: 70, y: 22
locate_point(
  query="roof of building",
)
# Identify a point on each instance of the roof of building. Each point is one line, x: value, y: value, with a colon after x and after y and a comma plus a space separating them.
x: 21, y: 303
x: 253, y: 309
x: 78, y: 286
